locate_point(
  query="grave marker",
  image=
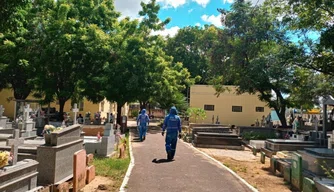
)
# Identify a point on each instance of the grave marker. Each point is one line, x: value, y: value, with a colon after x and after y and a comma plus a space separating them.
x: 27, y: 111
x: 308, y: 185
x: 2, y: 110
x: 79, y: 170
x: 263, y: 157
x: 296, y: 170
x: 14, y: 143
x: 75, y: 111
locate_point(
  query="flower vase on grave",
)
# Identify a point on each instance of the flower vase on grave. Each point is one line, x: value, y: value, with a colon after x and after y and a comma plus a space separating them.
x: 47, y: 138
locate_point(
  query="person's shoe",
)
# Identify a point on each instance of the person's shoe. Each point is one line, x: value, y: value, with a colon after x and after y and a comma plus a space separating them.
x: 143, y: 138
x: 169, y: 156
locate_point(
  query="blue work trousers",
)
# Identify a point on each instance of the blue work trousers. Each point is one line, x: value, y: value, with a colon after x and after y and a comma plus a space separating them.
x: 142, y: 131
x: 171, y: 140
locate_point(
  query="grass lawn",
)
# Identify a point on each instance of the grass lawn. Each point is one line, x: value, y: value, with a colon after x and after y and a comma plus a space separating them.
x: 114, y: 168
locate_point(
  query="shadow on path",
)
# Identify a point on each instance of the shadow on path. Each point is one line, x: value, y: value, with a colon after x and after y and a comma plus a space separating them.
x: 161, y: 161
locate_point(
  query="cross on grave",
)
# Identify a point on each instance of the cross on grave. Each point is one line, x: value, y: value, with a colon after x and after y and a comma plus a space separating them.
x: 75, y: 110
x: 1, y: 110
x: 14, y: 143
x: 27, y: 111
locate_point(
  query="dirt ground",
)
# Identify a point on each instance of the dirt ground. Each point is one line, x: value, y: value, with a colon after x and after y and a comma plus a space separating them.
x: 249, y: 167
x: 100, y: 184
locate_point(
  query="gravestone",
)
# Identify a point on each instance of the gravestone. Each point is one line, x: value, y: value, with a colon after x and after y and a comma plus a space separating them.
x: 75, y: 111
x: 273, y: 165
x: 296, y: 170
x: 308, y: 185
x: 263, y: 157
x: 287, y: 173
x: 59, y: 154
x: 4, y: 123
x: 79, y: 170
x: 90, y: 174
x: 14, y: 143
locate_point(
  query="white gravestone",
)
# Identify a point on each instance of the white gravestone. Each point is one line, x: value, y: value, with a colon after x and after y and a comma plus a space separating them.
x: 14, y: 143
x: 1, y: 110
x: 3, y: 119
x: 75, y: 111
x: 29, y: 124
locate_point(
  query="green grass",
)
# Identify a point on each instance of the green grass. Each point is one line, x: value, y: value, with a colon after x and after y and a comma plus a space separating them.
x: 113, y: 168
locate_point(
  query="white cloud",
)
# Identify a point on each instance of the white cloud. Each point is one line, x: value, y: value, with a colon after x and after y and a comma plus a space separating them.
x: 190, y: 10
x: 171, y: 3
x: 198, y: 24
x: 254, y: 2
x: 171, y: 32
x: 129, y: 7
x: 228, y: 1
x: 203, y: 3
x: 215, y: 20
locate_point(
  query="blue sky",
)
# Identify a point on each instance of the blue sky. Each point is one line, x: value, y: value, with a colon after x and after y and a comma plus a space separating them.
x: 182, y: 12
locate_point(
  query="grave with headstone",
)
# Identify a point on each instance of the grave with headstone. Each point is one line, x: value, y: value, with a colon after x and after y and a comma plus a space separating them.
x: 104, y: 146
x: 6, y: 130
x: 19, y: 176
x: 40, y: 121
x: 27, y: 127
x: 56, y: 156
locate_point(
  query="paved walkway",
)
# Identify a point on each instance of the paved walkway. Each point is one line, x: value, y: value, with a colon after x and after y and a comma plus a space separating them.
x: 190, y: 172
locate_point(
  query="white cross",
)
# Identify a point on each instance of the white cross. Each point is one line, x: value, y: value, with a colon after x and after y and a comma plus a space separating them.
x: 14, y: 143
x: 1, y: 110
x: 27, y: 111
x: 75, y: 110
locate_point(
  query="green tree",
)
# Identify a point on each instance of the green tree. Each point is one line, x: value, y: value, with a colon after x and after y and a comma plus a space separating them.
x: 256, y: 55
x: 196, y: 113
x: 313, y: 17
x: 192, y: 47
x: 16, y: 46
x: 74, y: 44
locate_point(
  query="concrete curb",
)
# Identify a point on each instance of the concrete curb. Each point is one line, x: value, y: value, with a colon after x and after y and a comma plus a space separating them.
x: 131, y: 165
x: 223, y: 166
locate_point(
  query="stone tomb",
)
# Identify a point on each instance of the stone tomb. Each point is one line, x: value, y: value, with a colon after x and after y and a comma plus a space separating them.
x: 272, y: 146
x: 218, y: 140
x: 214, y: 129
x: 103, y: 147
x: 313, y: 158
x: 56, y: 156
x: 20, y: 177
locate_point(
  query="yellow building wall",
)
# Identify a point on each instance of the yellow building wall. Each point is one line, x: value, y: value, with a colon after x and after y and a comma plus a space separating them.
x: 7, y: 100
x: 201, y: 95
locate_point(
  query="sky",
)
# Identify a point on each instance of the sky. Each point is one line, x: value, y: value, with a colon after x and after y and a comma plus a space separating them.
x: 182, y: 12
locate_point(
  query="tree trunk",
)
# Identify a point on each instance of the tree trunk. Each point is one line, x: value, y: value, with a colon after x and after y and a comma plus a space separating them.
x: 21, y: 93
x: 281, y: 116
x: 143, y: 104
x: 61, y: 108
x: 119, y: 113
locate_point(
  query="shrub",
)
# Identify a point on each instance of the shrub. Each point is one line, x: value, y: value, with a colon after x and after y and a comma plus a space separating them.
x: 258, y: 136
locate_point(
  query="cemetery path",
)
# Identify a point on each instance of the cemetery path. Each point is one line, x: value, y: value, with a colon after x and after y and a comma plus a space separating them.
x: 191, y: 171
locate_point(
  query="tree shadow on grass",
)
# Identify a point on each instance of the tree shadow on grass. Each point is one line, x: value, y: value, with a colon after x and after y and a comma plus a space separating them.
x: 158, y: 161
